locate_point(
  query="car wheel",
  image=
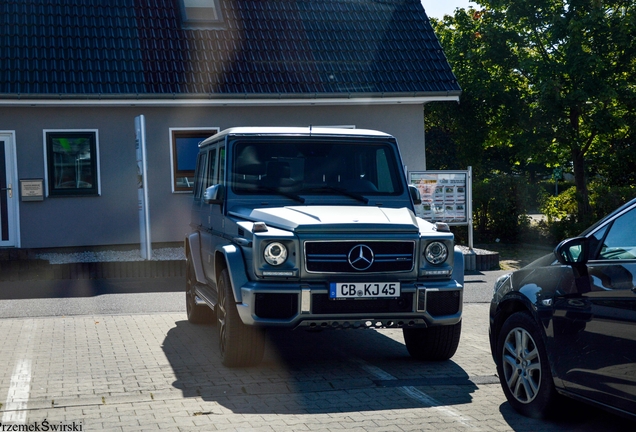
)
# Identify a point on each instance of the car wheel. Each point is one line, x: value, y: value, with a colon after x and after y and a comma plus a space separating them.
x: 197, y: 314
x: 240, y: 345
x: 433, y: 343
x: 522, y: 365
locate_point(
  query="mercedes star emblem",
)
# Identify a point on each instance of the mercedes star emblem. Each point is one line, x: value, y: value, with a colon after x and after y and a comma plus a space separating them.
x: 360, y: 257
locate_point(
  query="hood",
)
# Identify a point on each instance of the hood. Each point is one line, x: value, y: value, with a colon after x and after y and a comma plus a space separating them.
x: 333, y: 218
x: 545, y: 261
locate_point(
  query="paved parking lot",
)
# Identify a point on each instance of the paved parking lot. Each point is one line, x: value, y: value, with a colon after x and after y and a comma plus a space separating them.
x: 130, y: 372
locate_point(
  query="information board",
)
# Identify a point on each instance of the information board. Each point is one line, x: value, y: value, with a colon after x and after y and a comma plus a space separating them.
x: 445, y: 195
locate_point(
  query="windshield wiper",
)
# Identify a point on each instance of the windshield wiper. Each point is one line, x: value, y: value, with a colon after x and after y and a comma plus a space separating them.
x: 342, y: 191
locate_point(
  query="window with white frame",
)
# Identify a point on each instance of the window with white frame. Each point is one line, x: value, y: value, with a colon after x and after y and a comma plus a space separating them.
x: 72, y: 162
x: 184, y: 147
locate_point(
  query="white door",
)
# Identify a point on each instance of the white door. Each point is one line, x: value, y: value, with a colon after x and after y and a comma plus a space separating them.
x: 8, y: 192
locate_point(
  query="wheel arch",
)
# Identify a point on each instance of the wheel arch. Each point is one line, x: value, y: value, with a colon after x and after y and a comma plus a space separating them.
x: 506, y: 308
x: 510, y: 306
x: 231, y: 258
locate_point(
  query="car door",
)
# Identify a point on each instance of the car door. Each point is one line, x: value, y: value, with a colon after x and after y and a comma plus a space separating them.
x: 598, y: 326
x: 207, y: 226
x: 216, y: 215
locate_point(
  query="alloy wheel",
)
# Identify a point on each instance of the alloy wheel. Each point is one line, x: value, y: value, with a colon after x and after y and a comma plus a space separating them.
x: 521, y: 365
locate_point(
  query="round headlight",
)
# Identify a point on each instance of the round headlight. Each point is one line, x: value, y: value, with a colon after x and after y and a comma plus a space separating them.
x: 436, y: 253
x: 275, y: 253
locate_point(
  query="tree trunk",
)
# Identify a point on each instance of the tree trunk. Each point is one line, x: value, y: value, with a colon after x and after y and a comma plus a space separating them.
x: 582, y: 196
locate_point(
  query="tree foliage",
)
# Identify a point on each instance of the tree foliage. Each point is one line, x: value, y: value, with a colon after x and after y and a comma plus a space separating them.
x: 546, y: 83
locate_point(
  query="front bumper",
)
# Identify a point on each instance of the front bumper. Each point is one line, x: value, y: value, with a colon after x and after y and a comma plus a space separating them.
x: 308, y: 305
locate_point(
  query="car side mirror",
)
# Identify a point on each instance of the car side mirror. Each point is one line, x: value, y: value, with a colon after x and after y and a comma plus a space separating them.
x: 415, y: 195
x: 572, y: 251
x: 214, y: 194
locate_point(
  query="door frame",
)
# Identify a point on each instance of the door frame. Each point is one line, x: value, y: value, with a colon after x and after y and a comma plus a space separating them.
x: 13, y: 208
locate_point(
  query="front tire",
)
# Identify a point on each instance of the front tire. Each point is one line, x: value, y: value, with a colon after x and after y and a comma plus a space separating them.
x: 240, y: 345
x: 433, y: 343
x: 523, y: 368
x: 197, y: 314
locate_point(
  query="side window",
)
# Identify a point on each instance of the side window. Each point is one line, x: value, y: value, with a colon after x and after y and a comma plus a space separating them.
x: 221, y: 165
x: 200, y: 174
x: 72, y: 163
x: 620, y: 241
x: 210, y: 178
x: 385, y: 183
x: 184, y: 147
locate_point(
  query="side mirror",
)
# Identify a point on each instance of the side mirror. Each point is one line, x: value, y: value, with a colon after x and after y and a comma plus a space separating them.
x: 415, y: 195
x: 572, y: 251
x: 214, y: 194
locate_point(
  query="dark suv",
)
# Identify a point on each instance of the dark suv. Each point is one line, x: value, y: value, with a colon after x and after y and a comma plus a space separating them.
x: 314, y: 228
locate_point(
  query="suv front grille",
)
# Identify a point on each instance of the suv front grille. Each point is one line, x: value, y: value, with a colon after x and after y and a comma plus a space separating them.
x: 359, y: 256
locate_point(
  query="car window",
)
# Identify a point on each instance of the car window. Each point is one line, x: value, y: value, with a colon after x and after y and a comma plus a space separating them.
x: 201, y: 160
x: 316, y: 168
x: 211, y: 178
x: 620, y: 241
x: 221, y: 177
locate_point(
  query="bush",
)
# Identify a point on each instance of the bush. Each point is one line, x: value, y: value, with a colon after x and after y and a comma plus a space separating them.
x: 605, y: 199
x: 500, y: 207
x: 561, y: 211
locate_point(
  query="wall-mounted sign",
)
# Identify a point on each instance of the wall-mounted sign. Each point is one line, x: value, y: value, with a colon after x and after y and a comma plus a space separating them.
x: 32, y: 189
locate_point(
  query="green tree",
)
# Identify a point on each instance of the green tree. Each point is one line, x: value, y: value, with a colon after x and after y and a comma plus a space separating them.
x: 547, y: 82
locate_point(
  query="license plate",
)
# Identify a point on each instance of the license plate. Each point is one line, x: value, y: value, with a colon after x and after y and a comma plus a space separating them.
x: 349, y: 290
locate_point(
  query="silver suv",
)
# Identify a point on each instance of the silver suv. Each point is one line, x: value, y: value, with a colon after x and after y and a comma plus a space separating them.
x: 314, y: 228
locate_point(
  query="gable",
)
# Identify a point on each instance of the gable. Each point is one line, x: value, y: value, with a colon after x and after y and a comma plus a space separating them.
x: 270, y: 49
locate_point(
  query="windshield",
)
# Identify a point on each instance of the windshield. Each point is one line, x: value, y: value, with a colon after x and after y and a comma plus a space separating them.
x: 350, y: 170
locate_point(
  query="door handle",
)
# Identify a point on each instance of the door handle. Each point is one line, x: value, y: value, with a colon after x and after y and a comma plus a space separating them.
x: 8, y: 188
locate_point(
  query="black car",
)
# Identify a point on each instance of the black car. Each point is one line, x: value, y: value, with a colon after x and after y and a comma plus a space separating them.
x: 566, y: 324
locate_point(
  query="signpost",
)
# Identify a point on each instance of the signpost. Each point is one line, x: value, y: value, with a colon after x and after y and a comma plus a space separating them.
x: 142, y: 187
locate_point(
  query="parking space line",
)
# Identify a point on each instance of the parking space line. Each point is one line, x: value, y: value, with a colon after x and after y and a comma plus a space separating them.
x: 416, y: 394
x: 20, y: 386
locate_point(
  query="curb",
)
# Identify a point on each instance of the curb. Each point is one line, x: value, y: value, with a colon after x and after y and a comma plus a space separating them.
x: 481, y: 261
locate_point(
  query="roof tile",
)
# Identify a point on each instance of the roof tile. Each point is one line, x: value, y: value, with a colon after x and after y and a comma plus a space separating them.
x: 277, y: 47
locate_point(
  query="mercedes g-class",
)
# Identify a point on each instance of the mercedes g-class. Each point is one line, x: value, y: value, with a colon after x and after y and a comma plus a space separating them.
x: 315, y: 228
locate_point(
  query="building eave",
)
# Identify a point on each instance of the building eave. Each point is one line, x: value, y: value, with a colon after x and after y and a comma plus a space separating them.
x: 76, y: 100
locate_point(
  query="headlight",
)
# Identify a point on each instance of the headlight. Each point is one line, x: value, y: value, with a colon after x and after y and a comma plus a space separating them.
x: 436, y: 253
x: 500, y: 281
x: 275, y: 253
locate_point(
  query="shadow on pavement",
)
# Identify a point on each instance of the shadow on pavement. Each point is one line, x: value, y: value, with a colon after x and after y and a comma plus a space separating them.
x: 68, y: 288
x: 572, y: 416
x: 313, y: 372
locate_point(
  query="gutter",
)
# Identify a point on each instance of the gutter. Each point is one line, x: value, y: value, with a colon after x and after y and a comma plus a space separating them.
x: 216, y: 100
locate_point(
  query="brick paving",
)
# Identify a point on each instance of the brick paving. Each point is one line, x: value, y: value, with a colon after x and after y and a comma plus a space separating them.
x: 157, y: 371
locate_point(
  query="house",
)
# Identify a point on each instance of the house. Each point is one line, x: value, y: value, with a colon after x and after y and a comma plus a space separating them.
x: 75, y: 74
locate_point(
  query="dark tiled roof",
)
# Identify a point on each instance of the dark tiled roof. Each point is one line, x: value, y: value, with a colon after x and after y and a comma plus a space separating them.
x: 272, y: 47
